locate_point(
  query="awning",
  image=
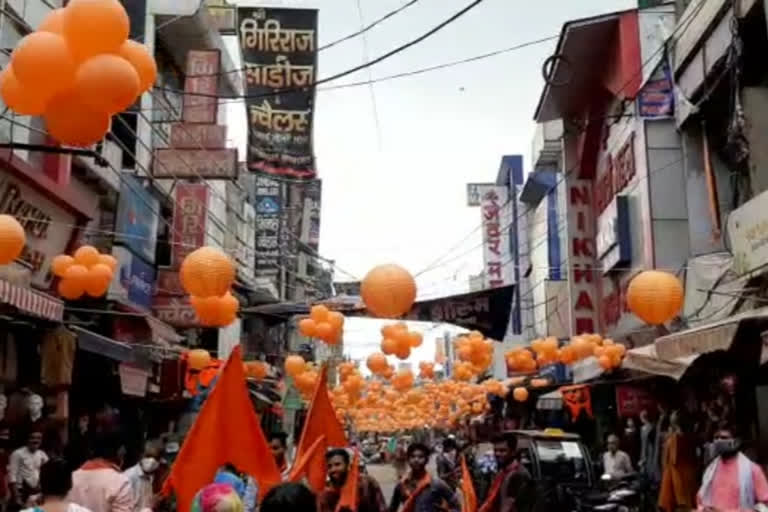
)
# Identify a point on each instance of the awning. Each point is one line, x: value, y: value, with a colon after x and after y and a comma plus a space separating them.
x: 33, y: 302
x: 162, y: 333
x: 646, y: 360
x: 107, y: 347
x: 552, y: 401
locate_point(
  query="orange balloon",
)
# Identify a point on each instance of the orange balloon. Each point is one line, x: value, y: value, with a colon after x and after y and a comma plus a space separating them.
x: 77, y: 274
x: 294, y: 365
x: 520, y: 394
x: 53, y: 22
x: 415, y: 339
x: 256, y: 369
x: 12, y: 239
x: 61, y: 263
x: 207, y: 272
x: 336, y: 320
x: 319, y: 313
x: 307, y: 327
x: 107, y: 83
x: 207, y: 309
x: 108, y: 260
x: 229, y: 304
x: 70, y: 290
x: 605, y: 362
x: 377, y: 362
x: 18, y: 98
x: 43, y: 65
x: 198, y: 359
x: 388, y: 291
x: 93, y: 27
x: 403, y: 352
x: 73, y: 123
x: 142, y: 61
x: 389, y: 346
x: 98, y: 279
x: 86, y: 256
x: 324, y: 330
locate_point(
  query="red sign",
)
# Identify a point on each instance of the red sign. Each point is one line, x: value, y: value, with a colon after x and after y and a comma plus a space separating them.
x: 618, y: 172
x: 582, y: 282
x: 631, y: 400
x: 168, y: 283
x: 198, y: 136
x: 202, y: 71
x: 175, y: 311
x: 194, y: 164
x: 189, y: 219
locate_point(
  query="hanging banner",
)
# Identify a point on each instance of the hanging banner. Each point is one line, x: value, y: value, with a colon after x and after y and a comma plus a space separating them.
x: 269, y: 206
x: 279, y: 48
x: 497, y: 218
x: 190, y: 214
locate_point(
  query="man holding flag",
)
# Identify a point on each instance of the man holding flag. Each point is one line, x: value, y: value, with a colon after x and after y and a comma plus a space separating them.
x: 347, y: 489
x: 419, y: 491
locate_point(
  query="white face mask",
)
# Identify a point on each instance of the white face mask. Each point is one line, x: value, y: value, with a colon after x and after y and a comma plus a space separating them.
x: 148, y: 464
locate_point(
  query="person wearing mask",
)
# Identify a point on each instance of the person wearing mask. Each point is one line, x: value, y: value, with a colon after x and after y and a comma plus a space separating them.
x: 141, y: 476
x: 55, y: 484
x: 289, y: 497
x: 448, y: 467
x: 99, y: 485
x: 616, y: 463
x: 24, y: 470
x: 369, y: 495
x: 512, y: 489
x: 278, y: 444
x: 731, y: 481
x: 418, y: 491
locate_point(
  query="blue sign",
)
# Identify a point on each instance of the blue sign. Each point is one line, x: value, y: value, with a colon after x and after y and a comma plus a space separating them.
x: 137, y: 219
x: 268, y: 205
x: 137, y: 279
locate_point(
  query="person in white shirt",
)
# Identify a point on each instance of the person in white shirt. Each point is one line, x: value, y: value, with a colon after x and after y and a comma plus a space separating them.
x: 24, y: 469
x: 142, y: 477
x: 55, y: 483
x: 616, y: 463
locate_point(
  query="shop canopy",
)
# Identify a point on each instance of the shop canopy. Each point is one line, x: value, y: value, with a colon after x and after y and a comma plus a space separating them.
x: 673, y: 354
x: 31, y: 302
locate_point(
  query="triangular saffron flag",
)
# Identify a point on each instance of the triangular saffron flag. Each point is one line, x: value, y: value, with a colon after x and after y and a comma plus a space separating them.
x: 301, y: 466
x: 468, y: 496
x: 348, y: 497
x: 321, y: 421
x: 227, y: 430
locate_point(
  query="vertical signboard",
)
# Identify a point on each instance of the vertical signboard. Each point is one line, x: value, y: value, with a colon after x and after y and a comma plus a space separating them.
x: 190, y: 214
x: 310, y: 231
x: 268, y: 207
x: 279, y: 48
x: 137, y: 219
x: 497, y: 219
x: 200, y: 86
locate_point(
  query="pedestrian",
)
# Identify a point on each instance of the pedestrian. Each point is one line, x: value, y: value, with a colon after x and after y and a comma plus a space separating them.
x: 289, y: 497
x: 369, y: 495
x: 278, y: 444
x: 80, y: 444
x: 616, y: 463
x: 99, y: 485
x: 731, y: 481
x: 678, y: 478
x: 55, y: 484
x: 448, y: 467
x: 418, y: 491
x: 141, y: 476
x: 24, y: 470
x: 513, y: 488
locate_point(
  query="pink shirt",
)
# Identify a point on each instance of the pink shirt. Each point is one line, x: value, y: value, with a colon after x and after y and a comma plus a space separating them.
x: 101, y: 489
x: 725, y: 485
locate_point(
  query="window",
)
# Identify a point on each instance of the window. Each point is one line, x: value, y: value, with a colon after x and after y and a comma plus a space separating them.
x: 562, y: 461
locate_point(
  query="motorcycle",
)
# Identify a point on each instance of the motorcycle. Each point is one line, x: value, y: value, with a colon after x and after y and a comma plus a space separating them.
x: 616, y: 495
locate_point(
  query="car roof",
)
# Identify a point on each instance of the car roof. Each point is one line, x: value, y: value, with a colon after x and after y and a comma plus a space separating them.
x: 550, y: 433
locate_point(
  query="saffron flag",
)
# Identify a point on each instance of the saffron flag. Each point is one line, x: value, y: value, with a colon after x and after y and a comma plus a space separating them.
x: 227, y: 430
x: 348, y: 497
x: 321, y: 421
x: 468, y: 496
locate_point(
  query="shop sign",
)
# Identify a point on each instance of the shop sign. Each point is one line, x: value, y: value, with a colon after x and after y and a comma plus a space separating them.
x: 171, y: 163
x: 619, y: 169
x: 656, y: 100
x: 497, y: 221
x: 175, y: 311
x: 632, y: 400
x: 202, y: 78
x: 475, y: 192
x: 134, y: 281
x: 198, y: 136
x: 614, y: 304
x: 47, y: 226
x: 137, y: 218
x: 613, y: 239
x: 582, y: 280
x: 748, y: 234
x: 168, y: 283
x: 223, y: 16
x: 268, y: 205
x: 190, y: 215
x: 133, y: 381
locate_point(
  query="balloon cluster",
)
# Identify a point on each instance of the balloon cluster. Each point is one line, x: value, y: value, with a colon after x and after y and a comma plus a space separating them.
x: 426, y: 370
x: 87, y: 271
x: 304, y: 375
x: 397, y: 340
x: 77, y: 70
x: 475, y: 355
x: 207, y: 274
x: 403, y: 380
x: 377, y: 363
x: 388, y: 291
x: 495, y: 387
x: 351, y: 380
x: 12, y: 239
x: 521, y: 359
x: 608, y: 353
x: 323, y: 324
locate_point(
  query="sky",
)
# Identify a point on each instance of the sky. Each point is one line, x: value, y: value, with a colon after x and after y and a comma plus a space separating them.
x: 394, y: 175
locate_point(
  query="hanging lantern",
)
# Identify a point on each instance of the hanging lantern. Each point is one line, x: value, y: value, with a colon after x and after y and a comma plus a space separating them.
x: 655, y: 297
x: 198, y: 359
x: 12, y: 239
x: 207, y: 272
x: 388, y: 291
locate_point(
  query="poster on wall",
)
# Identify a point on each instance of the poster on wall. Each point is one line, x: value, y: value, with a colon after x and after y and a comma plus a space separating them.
x: 279, y: 49
x: 137, y: 219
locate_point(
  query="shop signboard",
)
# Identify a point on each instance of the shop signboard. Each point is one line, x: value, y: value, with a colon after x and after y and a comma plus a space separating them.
x: 198, y: 136
x: 168, y: 283
x: 279, y: 48
x: 475, y: 192
x: 656, y: 100
x: 133, y: 381
x: 172, y: 163
x: 497, y: 219
x: 268, y: 204
x: 175, y: 311
x: 137, y: 219
x: 613, y: 241
x: 133, y: 282
x: 223, y: 15
x: 202, y: 77
x: 632, y: 400
x: 48, y: 227
x: 190, y: 215
x: 747, y: 231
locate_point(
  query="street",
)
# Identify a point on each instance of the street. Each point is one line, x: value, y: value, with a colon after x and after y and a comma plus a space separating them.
x: 385, y: 475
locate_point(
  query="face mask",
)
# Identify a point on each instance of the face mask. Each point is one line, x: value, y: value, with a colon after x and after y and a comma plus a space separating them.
x: 148, y: 464
x: 725, y: 447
